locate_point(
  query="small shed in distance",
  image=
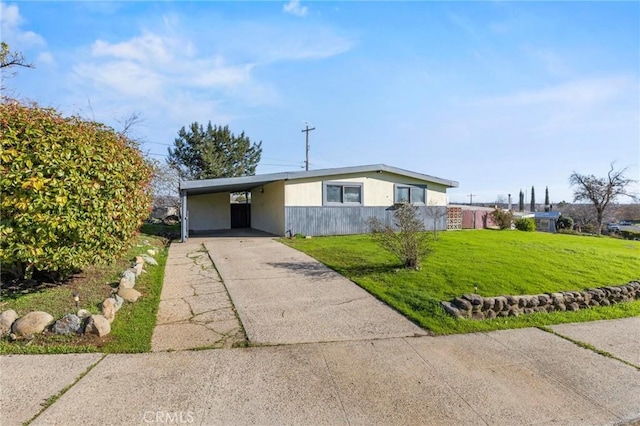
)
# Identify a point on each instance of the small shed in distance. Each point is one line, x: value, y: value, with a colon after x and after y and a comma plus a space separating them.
x: 546, y: 221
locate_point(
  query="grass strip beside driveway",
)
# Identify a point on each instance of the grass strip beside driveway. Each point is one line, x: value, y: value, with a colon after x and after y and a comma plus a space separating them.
x: 132, y: 329
x: 498, y: 262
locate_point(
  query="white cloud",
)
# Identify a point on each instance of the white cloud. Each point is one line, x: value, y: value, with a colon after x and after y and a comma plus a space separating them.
x: 147, y: 48
x: 295, y: 8
x: 121, y: 77
x: 45, y: 58
x: 214, y: 73
x: 10, y: 26
x: 579, y: 93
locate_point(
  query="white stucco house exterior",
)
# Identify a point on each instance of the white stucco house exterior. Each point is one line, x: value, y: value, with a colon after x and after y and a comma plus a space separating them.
x: 336, y: 201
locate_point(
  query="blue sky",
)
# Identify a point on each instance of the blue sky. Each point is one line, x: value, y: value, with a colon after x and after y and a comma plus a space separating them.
x: 498, y: 96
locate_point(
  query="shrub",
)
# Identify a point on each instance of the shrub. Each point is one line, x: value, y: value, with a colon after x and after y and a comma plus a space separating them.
x: 564, y: 222
x: 410, y: 243
x: 502, y: 218
x: 525, y: 224
x: 630, y: 235
x: 74, y: 192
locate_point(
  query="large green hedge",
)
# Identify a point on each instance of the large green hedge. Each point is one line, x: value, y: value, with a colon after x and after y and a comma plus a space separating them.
x: 74, y: 192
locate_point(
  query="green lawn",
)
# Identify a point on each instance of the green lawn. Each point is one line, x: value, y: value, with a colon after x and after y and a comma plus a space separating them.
x: 498, y: 262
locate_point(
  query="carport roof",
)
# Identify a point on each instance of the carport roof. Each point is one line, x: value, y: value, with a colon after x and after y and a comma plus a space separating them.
x: 247, y: 183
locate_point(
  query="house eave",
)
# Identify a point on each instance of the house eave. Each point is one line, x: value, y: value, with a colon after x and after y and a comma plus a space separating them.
x: 247, y: 183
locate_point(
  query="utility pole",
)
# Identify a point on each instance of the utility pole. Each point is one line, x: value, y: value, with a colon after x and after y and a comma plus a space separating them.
x: 471, y: 198
x: 306, y: 130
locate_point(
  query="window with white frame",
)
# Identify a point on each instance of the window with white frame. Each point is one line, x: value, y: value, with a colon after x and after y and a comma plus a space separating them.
x: 342, y: 193
x: 412, y: 194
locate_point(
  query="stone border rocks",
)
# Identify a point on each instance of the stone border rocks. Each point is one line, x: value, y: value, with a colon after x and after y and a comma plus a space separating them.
x: 477, y: 307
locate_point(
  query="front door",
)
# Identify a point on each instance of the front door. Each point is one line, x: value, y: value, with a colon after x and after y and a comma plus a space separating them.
x: 240, y: 215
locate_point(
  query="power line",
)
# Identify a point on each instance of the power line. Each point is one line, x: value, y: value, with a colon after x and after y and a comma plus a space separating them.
x: 306, y: 130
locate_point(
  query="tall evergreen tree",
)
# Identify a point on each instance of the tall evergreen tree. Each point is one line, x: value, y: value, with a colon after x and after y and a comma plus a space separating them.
x: 214, y: 152
x: 547, y: 205
x: 533, y: 199
x: 521, y: 201
x: 546, y: 196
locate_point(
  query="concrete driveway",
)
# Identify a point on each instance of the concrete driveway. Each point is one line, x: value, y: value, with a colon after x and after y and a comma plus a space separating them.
x: 284, y: 296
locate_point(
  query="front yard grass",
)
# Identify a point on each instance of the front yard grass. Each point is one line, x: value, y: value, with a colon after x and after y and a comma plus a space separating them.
x: 498, y: 262
x: 132, y: 329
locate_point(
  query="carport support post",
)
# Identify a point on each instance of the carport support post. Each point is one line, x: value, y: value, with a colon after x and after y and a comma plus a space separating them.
x: 184, y: 222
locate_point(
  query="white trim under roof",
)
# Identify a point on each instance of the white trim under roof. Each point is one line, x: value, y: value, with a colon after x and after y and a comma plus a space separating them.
x: 247, y: 183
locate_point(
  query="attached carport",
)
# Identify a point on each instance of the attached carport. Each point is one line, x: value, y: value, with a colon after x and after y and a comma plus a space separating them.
x: 207, y: 207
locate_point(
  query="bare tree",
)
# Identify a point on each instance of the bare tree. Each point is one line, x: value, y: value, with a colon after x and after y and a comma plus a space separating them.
x: 583, y: 216
x: 165, y: 186
x: 407, y: 241
x: 10, y: 59
x: 601, y: 191
x: 436, y: 213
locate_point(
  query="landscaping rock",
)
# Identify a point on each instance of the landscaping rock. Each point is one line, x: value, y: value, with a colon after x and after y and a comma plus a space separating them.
x: 139, y: 265
x: 98, y: 325
x: 473, y: 298
x: 32, y: 323
x: 479, y: 315
x: 119, y: 301
x: 129, y: 294
x: 152, y: 252
x: 150, y: 260
x: 108, y: 308
x: 487, y: 303
x: 451, y: 310
x: 500, y: 303
x: 128, y: 279
x: 68, y: 324
x: 83, y: 314
x: 6, y: 319
x: 462, y: 304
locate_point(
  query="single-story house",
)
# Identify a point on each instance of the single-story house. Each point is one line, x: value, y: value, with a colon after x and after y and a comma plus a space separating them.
x: 336, y: 201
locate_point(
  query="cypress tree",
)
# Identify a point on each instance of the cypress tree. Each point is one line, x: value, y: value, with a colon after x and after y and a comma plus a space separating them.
x: 533, y: 199
x: 546, y: 196
x: 521, y: 201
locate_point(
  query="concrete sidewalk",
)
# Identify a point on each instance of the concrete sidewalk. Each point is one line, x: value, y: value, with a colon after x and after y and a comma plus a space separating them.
x: 284, y: 296
x: 620, y: 338
x: 513, y: 377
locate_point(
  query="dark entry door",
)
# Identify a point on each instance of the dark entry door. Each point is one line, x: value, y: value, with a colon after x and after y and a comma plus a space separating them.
x: 240, y: 215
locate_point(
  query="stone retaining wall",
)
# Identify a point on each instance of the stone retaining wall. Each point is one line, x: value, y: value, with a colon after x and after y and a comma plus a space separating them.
x: 478, y: 307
